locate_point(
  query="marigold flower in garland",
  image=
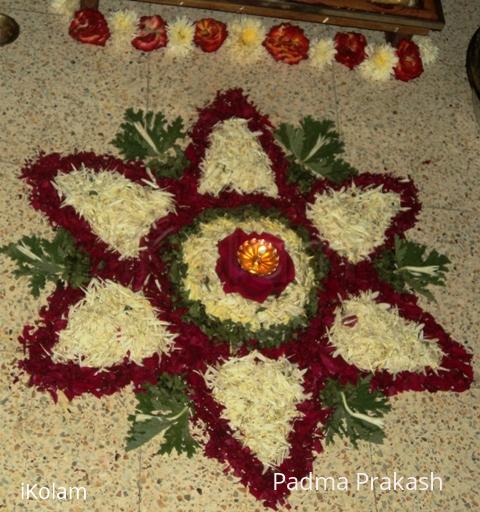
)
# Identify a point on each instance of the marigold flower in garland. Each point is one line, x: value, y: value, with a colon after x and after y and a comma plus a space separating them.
x: 90, y: 27
x: 287, y: 43
x: 245, y: 39
x: 64, y: 7
x: 350, y: 48
x: 409, y: 61
x: 428, y: 51
x: 152, y: 34
x: 209, y: 34
x: 322, y: 53
x: 180, y: 37
x: 379, y: 64
x: 123, y: 26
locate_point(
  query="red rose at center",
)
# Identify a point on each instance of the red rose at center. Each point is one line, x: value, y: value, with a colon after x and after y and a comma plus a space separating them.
x: 252, y: 286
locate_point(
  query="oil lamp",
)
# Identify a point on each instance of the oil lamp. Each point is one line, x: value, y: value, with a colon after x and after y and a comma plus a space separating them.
x: 258, y: 257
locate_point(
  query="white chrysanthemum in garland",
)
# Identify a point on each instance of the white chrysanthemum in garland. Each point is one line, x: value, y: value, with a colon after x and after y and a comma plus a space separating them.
x: 379, y: 64
x: 373, y: 336
x: 110, y: 323
x: 64, y: 7
x: 236, y: 161
x: 353, y: 220
x: 202, y: 283
x: 322, y: 53
x: 180, y: 36
x: 123, y: 26
x: 118, y: 210
x: 245, y: 38
x: 260, y: 396
x: 428, y: 51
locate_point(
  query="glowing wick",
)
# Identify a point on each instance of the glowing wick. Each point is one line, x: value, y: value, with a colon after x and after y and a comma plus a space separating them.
x: 258, y: 257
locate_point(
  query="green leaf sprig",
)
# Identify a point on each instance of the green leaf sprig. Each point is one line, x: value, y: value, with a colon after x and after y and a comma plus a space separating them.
x: 58, y: 261
x: 357, y: 411
x: 313, y: 151
x: 163, y: 408
x: 148, y: 137
x: 409, y: 268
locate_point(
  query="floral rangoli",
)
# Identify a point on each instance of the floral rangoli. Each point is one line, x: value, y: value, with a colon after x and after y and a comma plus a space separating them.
x: 256, y: 290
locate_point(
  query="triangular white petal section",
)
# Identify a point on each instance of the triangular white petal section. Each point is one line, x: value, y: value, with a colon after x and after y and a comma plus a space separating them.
x: 373, y: 336
x: 110, y: 323
x: 260, y: 396
x: 235, y: 161
x: 354, y: 220
x: 119, y: 211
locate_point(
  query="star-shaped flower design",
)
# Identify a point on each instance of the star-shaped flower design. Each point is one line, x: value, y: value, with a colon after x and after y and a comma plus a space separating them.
x: 164, y: 258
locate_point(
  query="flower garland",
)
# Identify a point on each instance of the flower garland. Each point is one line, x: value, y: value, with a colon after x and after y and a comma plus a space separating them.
x: 246, y: 40
x: 190, y: 348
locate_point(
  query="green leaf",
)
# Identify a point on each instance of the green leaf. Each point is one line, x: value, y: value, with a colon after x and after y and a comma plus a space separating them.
x: 58, y: 261
x: 313, y: 151
x: 171, y: 166
x: 163, y: 408
x: 350, y: 401
x: 142, y: 431
x: 409, y: 268
x: 149, y: 137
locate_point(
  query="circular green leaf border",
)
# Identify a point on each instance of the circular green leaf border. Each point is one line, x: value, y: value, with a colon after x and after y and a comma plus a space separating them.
x: 235, y: 332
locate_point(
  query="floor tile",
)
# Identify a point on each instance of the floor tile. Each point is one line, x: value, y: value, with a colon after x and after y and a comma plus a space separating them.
x: 79, y: 444
x: 431, y: 433
x: 425, y: 129
x: 18, y: 305
x: 201, y: 484
x: 67, y: 96
x: 461, y: 22
x: 33, y: 6
x: 13, y: 416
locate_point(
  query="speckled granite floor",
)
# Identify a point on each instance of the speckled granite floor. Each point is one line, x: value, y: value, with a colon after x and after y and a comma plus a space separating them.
x: 57, y: 95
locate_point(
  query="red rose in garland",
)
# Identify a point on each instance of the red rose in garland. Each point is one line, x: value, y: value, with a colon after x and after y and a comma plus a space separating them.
x: 209, y: 34
x: 254, y: 265
x: 350, y: 48
x: 90, y: 27
x: 410, y: 64
x: 287, y: 43
x: 152, y: 34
